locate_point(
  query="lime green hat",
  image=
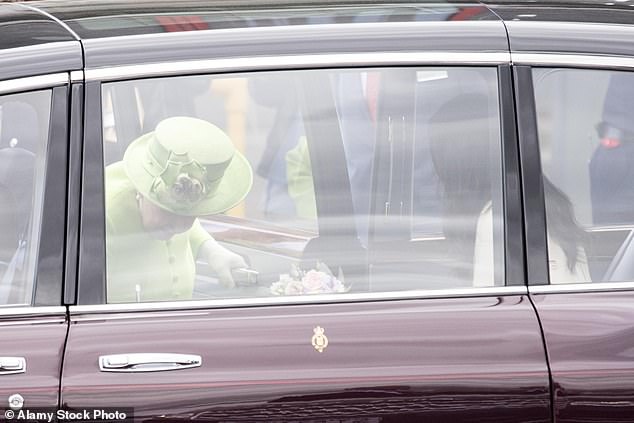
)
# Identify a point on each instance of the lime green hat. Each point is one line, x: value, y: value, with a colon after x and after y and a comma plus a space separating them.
x: 189, y: 167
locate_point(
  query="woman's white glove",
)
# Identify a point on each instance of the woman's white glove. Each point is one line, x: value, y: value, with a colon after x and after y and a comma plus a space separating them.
x: 222, y: 261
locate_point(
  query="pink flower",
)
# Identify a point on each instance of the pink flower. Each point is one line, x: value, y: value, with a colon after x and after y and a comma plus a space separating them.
x: 311, y: 282
x: 316, y: 282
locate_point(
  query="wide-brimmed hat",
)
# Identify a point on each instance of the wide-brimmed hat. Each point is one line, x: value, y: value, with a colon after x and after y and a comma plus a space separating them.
x: 189, y: 167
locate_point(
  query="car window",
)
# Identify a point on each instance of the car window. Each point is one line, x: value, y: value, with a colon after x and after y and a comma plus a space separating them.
x: 586, y: 137
x: 24, y: 127
x: 302, y: 182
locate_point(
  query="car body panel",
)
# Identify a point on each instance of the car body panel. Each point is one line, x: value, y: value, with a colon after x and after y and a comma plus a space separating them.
x: 22, y: 27
x: 288, y: 40
x: 39, y: 339
x: 453, y: 358
x: 37, y: 331
x: 469, y: 358
x: 34, y: 44
x: 553, y: 11
x: 122, y: 18
x: 40, y: 59
x: 590, y: 343
x: 258, y: 362
x: 586, y: 332
x: 571, y: 38
x: 582, y: 27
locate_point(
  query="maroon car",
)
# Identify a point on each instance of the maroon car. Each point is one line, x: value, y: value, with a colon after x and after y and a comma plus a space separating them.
x: 427, y: 211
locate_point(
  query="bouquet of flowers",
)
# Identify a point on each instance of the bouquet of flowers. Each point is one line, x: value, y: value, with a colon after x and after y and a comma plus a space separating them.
x: 319, y: 280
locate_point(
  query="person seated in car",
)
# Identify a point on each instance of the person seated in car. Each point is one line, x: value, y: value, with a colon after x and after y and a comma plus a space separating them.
x: 185, y: 168
x: 464, y: 167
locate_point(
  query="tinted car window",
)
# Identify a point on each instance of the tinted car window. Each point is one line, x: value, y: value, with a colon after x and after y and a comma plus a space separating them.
x: 24, y: 125
x: 586, y: 135
x: 302, y: 182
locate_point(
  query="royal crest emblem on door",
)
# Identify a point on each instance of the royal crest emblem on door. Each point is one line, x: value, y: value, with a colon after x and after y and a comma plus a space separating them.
x: 319, y: 340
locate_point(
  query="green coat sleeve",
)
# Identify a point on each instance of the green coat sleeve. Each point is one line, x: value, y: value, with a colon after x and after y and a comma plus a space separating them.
x: 197, y: 236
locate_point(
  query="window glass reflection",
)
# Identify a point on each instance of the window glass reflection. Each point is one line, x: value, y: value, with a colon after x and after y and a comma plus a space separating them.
x: 24, y: 127
x: 322, y: 181
x: 585, y: 122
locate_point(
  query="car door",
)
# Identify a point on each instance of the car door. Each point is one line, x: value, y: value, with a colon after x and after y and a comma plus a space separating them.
x: 37, y: 58
x: 364, y: 305
x: 36, y: 61
x: 33, y: 324
x: 585, y: 308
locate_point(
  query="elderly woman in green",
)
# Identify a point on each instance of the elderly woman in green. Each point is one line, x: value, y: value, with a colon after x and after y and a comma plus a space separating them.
x: 185, y: 168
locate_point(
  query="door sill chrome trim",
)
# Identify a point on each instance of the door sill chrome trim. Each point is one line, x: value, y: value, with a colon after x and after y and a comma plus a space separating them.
x: 300, y: 300
x: 581, y: 287
x: 27, y: 310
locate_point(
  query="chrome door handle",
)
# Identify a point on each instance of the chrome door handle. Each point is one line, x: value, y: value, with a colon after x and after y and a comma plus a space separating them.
x: 12, y: 365
x: 151, y: 362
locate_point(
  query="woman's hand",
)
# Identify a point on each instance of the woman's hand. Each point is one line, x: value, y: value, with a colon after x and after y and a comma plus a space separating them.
x: 222, y: 261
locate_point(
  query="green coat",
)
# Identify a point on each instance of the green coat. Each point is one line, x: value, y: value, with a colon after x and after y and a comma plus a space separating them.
x: 163, y: 270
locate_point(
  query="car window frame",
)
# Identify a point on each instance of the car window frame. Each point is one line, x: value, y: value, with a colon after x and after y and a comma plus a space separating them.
x: 49, y: 269
x: 91, y: 273
x: 538, y: 278
x: 73, y: 200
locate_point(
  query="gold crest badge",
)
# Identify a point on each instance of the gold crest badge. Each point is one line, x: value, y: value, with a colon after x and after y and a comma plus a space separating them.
x: 319, y: 340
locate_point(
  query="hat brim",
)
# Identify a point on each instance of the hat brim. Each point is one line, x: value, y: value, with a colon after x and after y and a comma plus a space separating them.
x: 233, y: 188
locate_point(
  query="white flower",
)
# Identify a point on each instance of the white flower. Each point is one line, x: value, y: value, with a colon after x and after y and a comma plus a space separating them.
x: 294, y: 288
x: 338, y: 286
x: 278, y: 288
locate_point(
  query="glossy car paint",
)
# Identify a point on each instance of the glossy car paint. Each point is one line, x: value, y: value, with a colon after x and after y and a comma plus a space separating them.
x: 458, y: 359
x: 121, y: 18
x: 587, y: 335
x: 22, y: 27
x: 33, y: 44
x: 590, y: 342
x: 285, y: 40
x: 39, y: 339
x: 590, y: 26
x: 585, y: 332
x: 40, y: 59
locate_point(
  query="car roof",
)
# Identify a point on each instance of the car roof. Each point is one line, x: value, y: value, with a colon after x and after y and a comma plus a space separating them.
x: 123, y: 32
x: 20, y: 27
x: 579, y: 11
x: 88, y: 19
x: 111, y: 18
